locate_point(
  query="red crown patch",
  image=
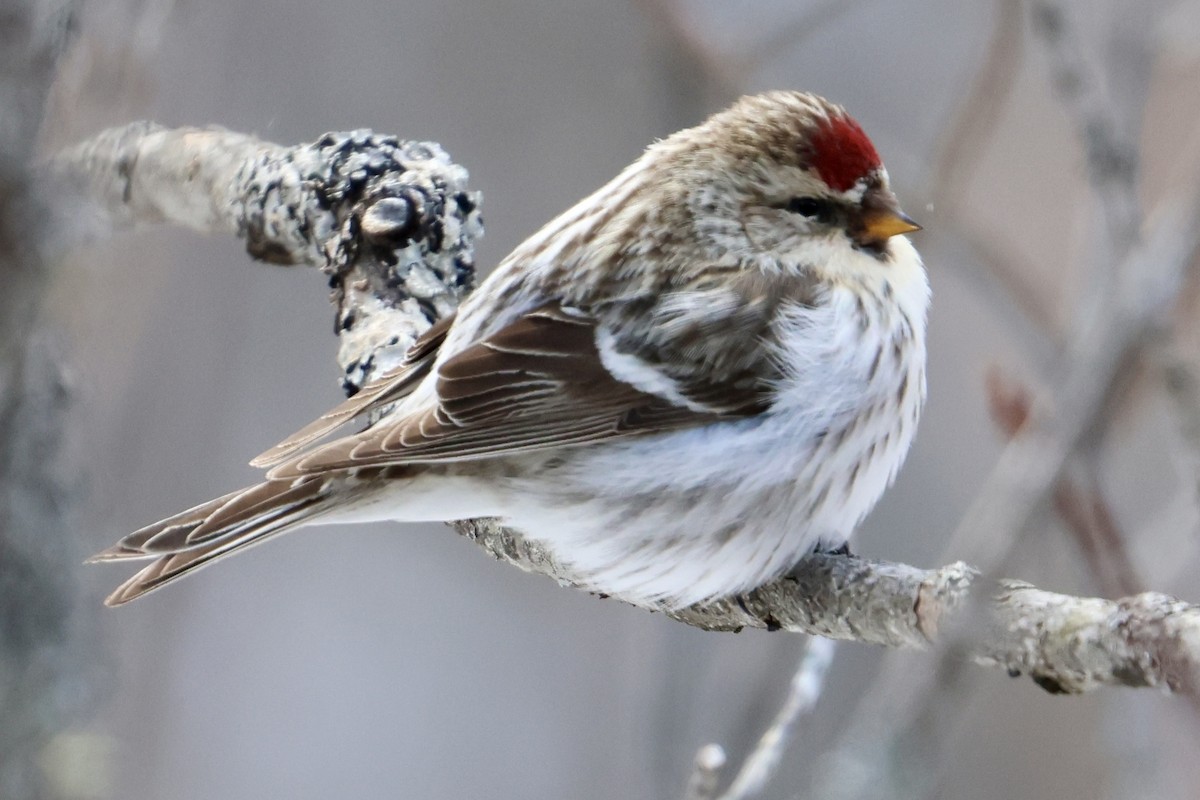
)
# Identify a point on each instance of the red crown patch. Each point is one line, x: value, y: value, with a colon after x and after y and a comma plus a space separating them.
x: 842, y: 154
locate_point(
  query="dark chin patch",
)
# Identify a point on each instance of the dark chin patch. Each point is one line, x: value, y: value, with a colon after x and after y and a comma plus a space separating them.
x: 876, y: 249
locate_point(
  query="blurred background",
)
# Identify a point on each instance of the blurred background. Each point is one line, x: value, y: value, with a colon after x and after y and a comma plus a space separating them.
x: 389, y: 661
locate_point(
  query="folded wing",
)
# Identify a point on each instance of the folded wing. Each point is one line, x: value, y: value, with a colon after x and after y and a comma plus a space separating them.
x: 390, y: 387
x: 536, y: 384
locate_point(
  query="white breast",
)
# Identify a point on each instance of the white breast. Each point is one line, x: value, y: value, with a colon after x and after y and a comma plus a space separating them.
x: 697, y: 514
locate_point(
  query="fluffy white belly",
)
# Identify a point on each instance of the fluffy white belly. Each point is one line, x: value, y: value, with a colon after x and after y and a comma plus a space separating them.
x: 699, y: 514
x: 693, y: 515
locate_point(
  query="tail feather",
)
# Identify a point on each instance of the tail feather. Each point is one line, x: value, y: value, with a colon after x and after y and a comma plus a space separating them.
x: 370, y: 396
x: 195, y: 538
x: 249, y: 506
x: 134, y: 545
x: 418, y: 363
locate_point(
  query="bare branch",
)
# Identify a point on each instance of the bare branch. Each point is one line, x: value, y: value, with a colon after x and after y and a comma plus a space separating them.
x: 1071, y: 644
x: 896, y: 605
x: 391, y: 222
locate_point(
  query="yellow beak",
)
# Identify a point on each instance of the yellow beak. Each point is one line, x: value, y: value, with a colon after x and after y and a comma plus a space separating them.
x: 883, y: 223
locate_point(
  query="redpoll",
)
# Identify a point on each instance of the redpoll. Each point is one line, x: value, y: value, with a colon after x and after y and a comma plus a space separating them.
x: 681, y: 386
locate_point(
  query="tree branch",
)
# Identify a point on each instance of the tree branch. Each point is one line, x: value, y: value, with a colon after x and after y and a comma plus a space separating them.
x: 393, y: 226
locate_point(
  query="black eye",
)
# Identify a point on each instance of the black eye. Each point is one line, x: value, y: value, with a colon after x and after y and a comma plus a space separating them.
x: 810, y: 207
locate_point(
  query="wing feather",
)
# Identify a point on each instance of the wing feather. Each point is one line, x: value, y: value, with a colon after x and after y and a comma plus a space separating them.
x: 387, y: 389
x: 538, y: 383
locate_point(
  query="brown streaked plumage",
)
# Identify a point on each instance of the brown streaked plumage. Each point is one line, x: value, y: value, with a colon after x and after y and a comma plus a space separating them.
x: 536, y: 384
x: 387, y: 389
x: 678, y: 385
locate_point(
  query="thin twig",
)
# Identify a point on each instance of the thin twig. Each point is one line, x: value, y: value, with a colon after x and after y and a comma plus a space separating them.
x: 974, y: 126
x: 803, y: 694
x: 705, y: 777
x: 1088, y: 516
x: 1183, y: 389
x: 1108, y: 130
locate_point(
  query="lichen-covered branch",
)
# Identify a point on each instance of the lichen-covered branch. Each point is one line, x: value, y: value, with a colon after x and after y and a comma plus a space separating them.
x: 391, y: 222
x: 393, y: 225
x: 1074, y: 644
x: 1065, y: 643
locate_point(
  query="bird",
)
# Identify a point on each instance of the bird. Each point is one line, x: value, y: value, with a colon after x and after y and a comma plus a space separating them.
x: 682, y: 386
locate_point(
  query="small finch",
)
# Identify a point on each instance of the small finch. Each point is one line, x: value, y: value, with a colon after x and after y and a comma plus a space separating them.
x: 681, y: 386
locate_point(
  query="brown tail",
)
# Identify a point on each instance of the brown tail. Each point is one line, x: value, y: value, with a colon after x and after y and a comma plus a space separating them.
x: 201, y: 535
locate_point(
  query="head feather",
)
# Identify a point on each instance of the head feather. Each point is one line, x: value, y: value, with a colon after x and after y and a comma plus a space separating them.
x: 841, y: 153
x: 790, y: 128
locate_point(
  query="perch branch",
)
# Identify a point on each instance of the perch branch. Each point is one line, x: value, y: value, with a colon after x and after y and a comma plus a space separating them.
x: 393, y: 225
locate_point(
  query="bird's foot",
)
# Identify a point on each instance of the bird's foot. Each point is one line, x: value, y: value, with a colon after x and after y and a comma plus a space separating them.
x: 843, y: 550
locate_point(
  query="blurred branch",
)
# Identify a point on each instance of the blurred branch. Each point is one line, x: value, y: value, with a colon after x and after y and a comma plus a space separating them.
x: 1108, y: 129
x: 1088, y: 515
x: 1181, y: 380
x: 393, y: 227
x: 706, y: 773
x: 1133, y: 279
x: 761, y: 763
x: 1079, y: 501
x: 975, y: 120
x: 43, y: 672
x: 974, y: 125
x: 803, y: 694
x: 727, y: 72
